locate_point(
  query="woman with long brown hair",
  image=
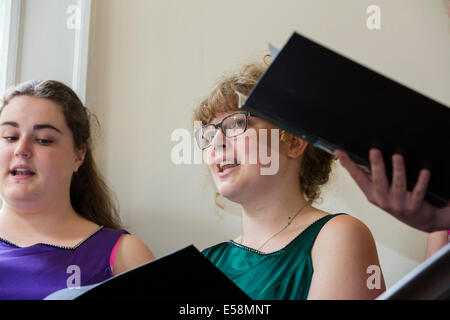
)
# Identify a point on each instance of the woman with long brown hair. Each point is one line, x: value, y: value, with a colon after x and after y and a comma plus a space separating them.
x: 59, y: 226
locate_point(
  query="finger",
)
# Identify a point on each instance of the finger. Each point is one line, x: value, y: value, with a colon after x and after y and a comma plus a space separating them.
x: 398, y: 176
x: 379, y: 179
x: 420, y: 188
x: 361, y: 178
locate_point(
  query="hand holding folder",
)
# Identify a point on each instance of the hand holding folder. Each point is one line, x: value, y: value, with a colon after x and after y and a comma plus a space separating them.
x: 408, y: 207
x: 336, y: 103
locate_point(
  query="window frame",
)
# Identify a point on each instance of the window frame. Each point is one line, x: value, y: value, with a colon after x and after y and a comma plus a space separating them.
x: 81, y: 53
x: 11, y: 48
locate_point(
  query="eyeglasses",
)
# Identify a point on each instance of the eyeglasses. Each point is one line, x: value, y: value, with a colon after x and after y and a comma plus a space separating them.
x: 232, y: 125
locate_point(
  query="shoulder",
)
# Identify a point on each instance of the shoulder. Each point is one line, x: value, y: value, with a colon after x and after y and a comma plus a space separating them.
x: 341, y: 255
x: 130, y: 244
x: 345, y: 224
x: 216, y: 251
x: 343, y: 227
x: 214, y: 248
x: 343, y: 232
x: 131, y: 252
x: 343, y: 239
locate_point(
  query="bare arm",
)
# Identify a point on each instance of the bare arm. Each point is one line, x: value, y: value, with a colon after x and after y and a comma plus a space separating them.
x: 435, y: 242
x: 345, y: 262
x: 408, y: 207
x: 131, y: 253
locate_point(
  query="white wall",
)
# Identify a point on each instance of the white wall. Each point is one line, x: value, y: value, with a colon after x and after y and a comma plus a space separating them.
x: 151, y: 62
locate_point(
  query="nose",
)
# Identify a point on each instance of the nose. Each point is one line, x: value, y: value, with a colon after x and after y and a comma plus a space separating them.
x: 23, y: 149
x: 219, y: 141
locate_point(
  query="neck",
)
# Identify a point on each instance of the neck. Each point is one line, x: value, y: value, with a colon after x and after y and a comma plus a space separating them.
x: 49, y: 219
x: 264, y: 217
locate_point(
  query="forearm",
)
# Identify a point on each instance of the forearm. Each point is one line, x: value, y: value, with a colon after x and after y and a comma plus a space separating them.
x: 435, y: 242
x: 442, y: 220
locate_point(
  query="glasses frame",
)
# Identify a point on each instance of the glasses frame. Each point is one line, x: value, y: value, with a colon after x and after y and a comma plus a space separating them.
x: 220, y: 126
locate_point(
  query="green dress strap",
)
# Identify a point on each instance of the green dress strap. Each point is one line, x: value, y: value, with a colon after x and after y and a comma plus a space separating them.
x: 282, y: 275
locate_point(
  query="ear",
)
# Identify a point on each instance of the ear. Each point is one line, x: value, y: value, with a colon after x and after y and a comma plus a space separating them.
x: 296, y: 147
x: 80, y: 154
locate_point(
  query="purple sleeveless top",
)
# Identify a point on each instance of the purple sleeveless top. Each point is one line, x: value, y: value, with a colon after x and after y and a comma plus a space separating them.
x: 36, y: 271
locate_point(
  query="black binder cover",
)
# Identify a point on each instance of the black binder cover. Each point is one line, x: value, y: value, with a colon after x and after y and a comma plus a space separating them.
x: 185, y: 275
x: 335, y: 103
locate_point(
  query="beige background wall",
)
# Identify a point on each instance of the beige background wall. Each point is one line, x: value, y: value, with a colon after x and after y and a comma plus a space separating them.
x: 151, y: 62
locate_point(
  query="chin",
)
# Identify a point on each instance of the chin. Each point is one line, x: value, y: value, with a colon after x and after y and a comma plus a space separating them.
x: 19, y: 195
x: 229, y: 194
x: 235, y: 192
x: 241, y: 185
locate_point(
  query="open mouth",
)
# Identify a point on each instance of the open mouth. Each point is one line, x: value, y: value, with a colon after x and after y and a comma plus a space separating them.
x: 22, y: 172
x: 224, y: 165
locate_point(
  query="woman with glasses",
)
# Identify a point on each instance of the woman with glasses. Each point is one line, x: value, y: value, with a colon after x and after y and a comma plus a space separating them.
x: 288, y: 249
x: 59, y: 227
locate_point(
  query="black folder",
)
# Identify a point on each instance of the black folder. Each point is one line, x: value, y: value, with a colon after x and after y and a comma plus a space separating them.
x: 335, y: 103
x: 185, y: 275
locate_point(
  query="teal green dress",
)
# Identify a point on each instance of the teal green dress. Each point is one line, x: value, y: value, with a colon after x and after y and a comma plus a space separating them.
x: 282, y: 275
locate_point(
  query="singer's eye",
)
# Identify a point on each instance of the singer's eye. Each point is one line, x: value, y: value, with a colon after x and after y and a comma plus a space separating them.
x: 10, y: 139
x: 44, y: 142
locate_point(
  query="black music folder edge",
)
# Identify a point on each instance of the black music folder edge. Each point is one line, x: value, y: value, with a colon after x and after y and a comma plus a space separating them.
x: 185, y: 275
x: 335, y: 103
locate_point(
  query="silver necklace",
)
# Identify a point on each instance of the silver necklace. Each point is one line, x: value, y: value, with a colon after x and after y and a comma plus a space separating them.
x: 284, y: 228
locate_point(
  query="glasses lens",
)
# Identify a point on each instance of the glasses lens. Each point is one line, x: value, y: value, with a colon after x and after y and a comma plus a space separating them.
x: 205, y: 135
x: 234, y: 125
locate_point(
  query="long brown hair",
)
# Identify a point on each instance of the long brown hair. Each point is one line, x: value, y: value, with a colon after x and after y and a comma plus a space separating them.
x: 89, y: 195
